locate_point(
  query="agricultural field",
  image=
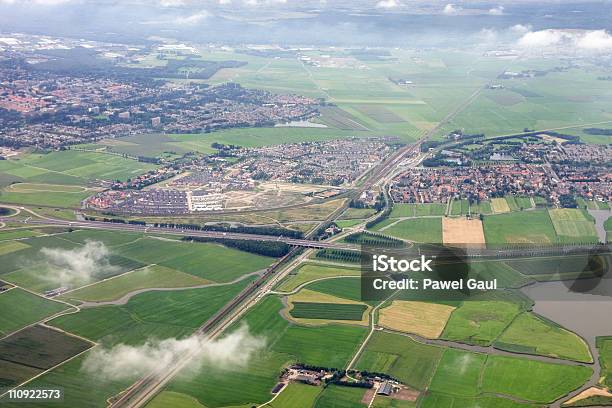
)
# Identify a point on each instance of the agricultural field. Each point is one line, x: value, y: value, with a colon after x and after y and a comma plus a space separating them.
x: 427, y: 230
x: 547, y: 268
x: 173, y: 399
x: 60, y: 178
x: 313, y: 307
x: 441, y: 400
x: 458, y: 373
x: 35, y: 349
x: 340, y: 397
x: 531, y: 380
x: 309, y: 272
x: 531, y: 334
x: 328, y: 311
x: 21, y: 308
x: 427, y: 210
x: 155, y: 276
x: 604, y: 344
x: 329, y: 345
x: 296, y: 395
x: 479, y: 322
x: 500, y: 205
x: 357, y: 213
x: 401, y: 210
x: 424, y: 319
x: 527, y: 102
x: 462, y: 231
x: 407, y: 360
x: 510, y: 228
x: 572, y: 225
x: 459, y: 207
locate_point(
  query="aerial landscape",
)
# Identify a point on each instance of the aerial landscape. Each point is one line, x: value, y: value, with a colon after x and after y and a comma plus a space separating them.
x: 202, y: 203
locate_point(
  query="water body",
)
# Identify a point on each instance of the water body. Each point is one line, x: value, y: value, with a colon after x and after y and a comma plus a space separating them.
x: 586, y: 314
x: 301, y: 123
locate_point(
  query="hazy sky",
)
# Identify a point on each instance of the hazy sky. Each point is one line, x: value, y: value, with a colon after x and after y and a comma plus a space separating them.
x: 378, y: 22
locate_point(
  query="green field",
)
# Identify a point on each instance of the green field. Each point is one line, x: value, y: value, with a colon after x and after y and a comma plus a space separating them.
x: 340, y: 397
x: 460, y: 207
x: 331, y: 311
x: 427, y: 230
x: 330, y: 345
x: 479, y: 322
x: 441, y: 400
x: 173, y: 399
x: 347, y: 288
x: 531, y: 334
x: 572, y: 225
x: 21, y: 308
x: 296, y: 395
x: 458, y: 373
x: 34, y: 349
x: 205, y: 260
x: 53, y: 179
x: 147, y: 315
x: 40, y: 347
x: 407, y: 360
x: 531, y: 380
x: 537, y: 103
x: 510, y: 228
x: 604, y: 344
x: 402, y: 210
x: 155, y: 276
x: 426, y: 210
x: 308, y: 272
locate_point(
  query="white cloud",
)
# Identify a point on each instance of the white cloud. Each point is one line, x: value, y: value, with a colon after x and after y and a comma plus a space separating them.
x: 520, y: 28
x: 192, y: 19
x: 597, y: 40
x: 36, y: 2
x: 225, y: 2
x: 125, y: 362
x: 388, y: 4
x: 496, y: 11
x: 451, y: 9
x: 593, y: 40
x: 542, y: 38
x: 172, y: 3
x: 78, y: 266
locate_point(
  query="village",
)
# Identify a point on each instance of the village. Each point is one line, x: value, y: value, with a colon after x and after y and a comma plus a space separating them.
x: 480, y: 169
x: 261, y: 178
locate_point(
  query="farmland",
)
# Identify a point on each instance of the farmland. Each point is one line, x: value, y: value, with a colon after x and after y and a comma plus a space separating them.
x: 409, y: 361
x: 572, y: 225
x: 151, y: 314
x: 330, y: 345
x: 155, y: 276
x: 604, y: 344
x: 58, y: 178
x: 530, y: 334
x: 296, y: 395
x: 33, y: 350
x: 309, y: 272
x: 531, y: 380
x: 425, y: 319
x: 330, y: 311
x: 459, y: 372
x: 510, y: 228
x: 32, y: 308
x: 340, y: 397
x: 479, y: 322
x: 427, y: 230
